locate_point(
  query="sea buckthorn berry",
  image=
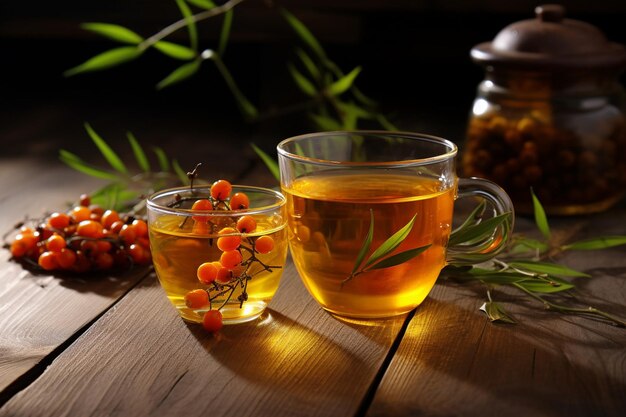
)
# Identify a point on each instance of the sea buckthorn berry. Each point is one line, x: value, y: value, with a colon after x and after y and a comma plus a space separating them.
x: 212, y: 321
x: 207, y: 272
x: 231, y: 259
x: 116, y: 227
x: 82, y: 263
x: 88, y: 247
x: 85, y: 200
x: 96, y: 217
x: 48, y: 261
x: 202, y: 205
x: 109, y: 217
x: 80, y: 213
x: 89, y: 228
x: 224, y: 275
x: 66, y: 258
x: 196, y: 299
x: 96, y: 209
x: 227, y: 243
x: 239, y: 201
x: 103, y: 261
x: 127, y: 234
x: 141, y: 228
x: 136, y: 252
x: 144, y: 241
x: 59, y: 220
x: 221, y: 189
x: 103, y: 246
x: 44, y: 232
x: 18, y: 248
x: 246, y: 224
x: 121, y: 259
x: 55, y: 243
x: 200, y: 228
x: 264, y: 244
x: 303, y: 233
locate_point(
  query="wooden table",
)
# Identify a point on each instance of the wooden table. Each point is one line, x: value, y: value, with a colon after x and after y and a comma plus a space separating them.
x: 102, y: 346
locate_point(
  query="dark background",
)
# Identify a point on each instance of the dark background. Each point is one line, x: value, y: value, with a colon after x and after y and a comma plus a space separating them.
x: 414, y: 54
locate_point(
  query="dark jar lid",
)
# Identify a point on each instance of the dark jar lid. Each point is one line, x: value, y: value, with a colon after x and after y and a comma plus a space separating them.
x: 551, y: 42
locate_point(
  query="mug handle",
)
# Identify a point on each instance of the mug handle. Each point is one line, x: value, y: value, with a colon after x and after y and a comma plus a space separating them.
x: 469, y: 252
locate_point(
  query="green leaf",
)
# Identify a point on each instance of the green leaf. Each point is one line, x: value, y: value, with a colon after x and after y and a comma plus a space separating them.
x: 343, y: 84
x: 225, y: 32
x: 547, y: 268
x: 246, y: 108
x: 391, y: 243
x: 107, y: 59
x: 164, y: 163
x: 271, y: 164
x: 108, y: 153
x: 179, y: 74
x: 385, y: 123
x: 496, y: 277
x: 203, y: 4
x: 191, y: 24
x: 399, y: 258
x: 309, y: 64
x: 524, y: 245
x: 305, y: 85
x: 180, y: 173
x: 475, y: 216
x: 140, y: 155
x: 115, y: 32
x: 76, y: 163
x: 366, y: 244
x: 325, y: 122
x: 542, y: 286
x: 540, y: 216
x: 601, y: 242
x: 175, y: 50
x: 481, y: 230
x: 304, y: 33
x: 496, y: 313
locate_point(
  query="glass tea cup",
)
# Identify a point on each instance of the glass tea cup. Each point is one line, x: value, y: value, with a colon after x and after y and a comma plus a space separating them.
x: 370, y: 216
x: 181, y: 239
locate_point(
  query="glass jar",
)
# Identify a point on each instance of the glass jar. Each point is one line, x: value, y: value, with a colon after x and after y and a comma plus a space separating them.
x: 549, y: 116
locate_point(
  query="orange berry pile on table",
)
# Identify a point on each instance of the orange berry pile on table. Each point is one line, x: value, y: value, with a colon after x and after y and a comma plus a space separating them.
x: 85, y: 238
x: 239, y: 249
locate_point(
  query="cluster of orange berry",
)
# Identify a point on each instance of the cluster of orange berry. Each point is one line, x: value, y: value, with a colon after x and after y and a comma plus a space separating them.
x: 221, y: 278
x: 85, y: 238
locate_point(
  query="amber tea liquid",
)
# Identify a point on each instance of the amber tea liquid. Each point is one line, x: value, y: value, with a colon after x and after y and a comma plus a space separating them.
x: 329, y: 218
x: 178, y: 251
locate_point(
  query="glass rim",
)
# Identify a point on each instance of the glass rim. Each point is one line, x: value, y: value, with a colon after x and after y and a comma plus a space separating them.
x: 451, y: 153
x: 281, y: 200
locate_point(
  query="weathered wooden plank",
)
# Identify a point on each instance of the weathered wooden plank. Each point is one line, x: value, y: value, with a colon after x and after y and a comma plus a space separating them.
x: 141, y: 359
x: 452, y: 361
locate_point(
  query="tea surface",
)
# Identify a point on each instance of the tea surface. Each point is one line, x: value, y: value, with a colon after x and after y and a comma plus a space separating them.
x: 329, y: 219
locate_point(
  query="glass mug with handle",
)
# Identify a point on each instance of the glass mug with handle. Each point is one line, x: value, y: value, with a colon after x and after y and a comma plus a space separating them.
x: 370, y: 216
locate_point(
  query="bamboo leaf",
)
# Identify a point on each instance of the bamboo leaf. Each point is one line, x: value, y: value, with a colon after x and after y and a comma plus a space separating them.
x: 164, y: 163
x: 304, y: 33
x: 366, y: 244
x: 542, y: 286
x: 400, y: 258
x: 524, y: 245
x: 108, y: 153
x: 496, y: 277
x: 547, y: 268
x: 203, y: 4
x: 385, y: 123
x: 496, y: 313
x: 115, y: 32
x: 391, y: 243
x: 271, y: 164
x: 175, y: 50
x: 179, y: 74
x: 343, y: 84
x: 225, y: 32
x: 601, y: 242
x: 77, y: 164
x: 475, y: 216
x: 105, y: 60
x: 140, y: 155
x: 325, y: 122
x: 540, y: 216
x: 191, y: 24
x: 180, y: 172
x: 478, y: 231
x: 301, y: 81
x: 309, y: 64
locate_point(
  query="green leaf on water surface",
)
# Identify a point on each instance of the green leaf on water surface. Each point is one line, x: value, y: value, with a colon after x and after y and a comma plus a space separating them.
x: 106, y: 151
x: 496, y: 313
x: 107, y: 59
x: 115, y: 32
x: 600, y: 242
